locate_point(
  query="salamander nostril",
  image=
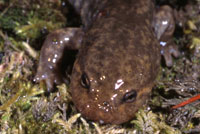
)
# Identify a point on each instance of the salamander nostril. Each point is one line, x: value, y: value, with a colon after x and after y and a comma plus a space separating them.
x: 130, y: 96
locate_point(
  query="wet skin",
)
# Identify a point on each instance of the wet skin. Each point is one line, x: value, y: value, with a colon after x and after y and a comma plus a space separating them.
x: 118, y: 58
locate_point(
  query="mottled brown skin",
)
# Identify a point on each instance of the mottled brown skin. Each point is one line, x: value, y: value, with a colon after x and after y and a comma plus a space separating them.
x: 117, y: 63
x: 117, y: 48
x: 164, y: 26
x: 52, y: 54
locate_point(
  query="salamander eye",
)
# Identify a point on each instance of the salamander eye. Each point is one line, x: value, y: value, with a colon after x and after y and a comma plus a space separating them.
x: 130, y: 96
x: 85, y: 82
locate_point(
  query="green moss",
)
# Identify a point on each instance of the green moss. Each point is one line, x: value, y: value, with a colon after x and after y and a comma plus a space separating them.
x: 12, y: 18
x: 150, y: 123
x: 37, y: 22
x: 28, y: 21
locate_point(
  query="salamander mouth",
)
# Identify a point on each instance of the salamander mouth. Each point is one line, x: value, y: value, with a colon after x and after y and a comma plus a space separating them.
x: 107, y: 113
x: 102, y: 115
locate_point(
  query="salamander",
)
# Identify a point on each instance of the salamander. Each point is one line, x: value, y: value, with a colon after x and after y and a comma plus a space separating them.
x: 118, y: 56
